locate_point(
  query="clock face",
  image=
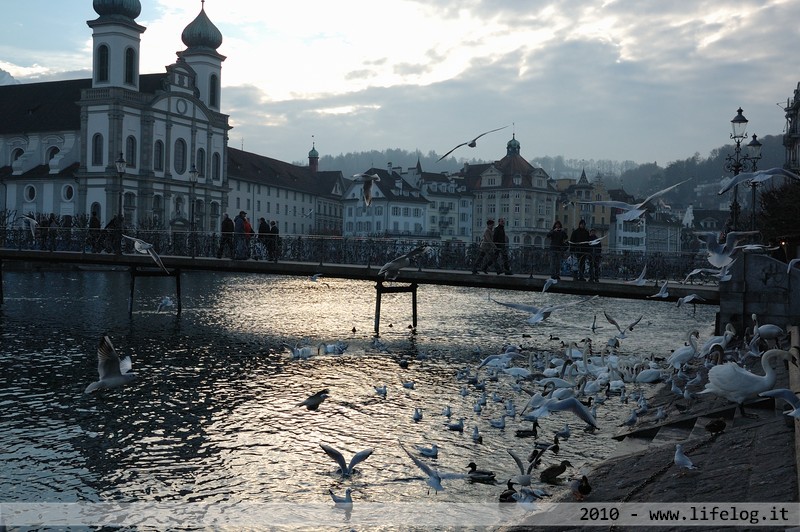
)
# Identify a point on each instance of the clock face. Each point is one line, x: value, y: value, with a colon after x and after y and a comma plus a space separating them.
x: 181, y: 106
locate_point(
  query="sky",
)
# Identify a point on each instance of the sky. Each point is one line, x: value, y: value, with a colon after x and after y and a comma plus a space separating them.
x: 626, y: 80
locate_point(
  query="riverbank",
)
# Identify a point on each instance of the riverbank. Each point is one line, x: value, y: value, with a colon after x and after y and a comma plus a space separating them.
x: 754, y: 460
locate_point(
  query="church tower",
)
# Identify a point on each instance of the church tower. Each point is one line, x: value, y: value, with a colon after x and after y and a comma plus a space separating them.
x: 115, y: 44
x: 202, y: 39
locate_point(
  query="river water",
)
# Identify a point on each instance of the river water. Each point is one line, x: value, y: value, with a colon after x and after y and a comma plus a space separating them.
x: 213, y: 414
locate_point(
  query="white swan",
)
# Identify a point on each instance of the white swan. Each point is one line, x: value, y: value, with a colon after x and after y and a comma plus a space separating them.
x: 769, y: 332
x: 736, y: 384
x: 788, y: 396
x: 721, y: 340
x: 685, y: 353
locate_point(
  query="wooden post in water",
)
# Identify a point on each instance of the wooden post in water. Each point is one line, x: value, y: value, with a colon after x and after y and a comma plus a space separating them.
x: 380, y: 290
x: 178, y: 289
x: 133, y: 286
x: 1, y: 282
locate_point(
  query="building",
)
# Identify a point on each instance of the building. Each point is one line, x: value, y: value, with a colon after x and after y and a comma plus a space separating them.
x: 513, y: 189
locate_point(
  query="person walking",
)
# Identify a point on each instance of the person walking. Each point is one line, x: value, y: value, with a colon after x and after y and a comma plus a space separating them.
x: 487, y: 249
x: 501, y: 245
x: 239, y: 245
x: 263, y: 237
x: 595, y: 255
x: 226, y: 240
x: 558, y: 239
x: 94, y: 232
x: 275, y: 240
x: 579, y: 245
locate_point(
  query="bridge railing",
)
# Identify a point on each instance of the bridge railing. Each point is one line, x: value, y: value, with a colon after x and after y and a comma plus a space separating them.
x: 446, y: 255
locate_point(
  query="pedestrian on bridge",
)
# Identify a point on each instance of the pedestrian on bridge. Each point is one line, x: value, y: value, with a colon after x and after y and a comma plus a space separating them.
x: 595, y: 255
x: 579, y: 245
x: 500, y: 240
x: 487, y: 249
x: 558, y: 239
x: 274, y: 247
x: 239, y: 243
x: 226, y: 240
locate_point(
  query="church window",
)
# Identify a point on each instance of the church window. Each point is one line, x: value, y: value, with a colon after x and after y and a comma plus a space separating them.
x: 200, y: 163
x: 130, y: 66
x: 52, y: 152
x: 97, y: 149
x: 215, y: 167
x: 16, y: 154
x: 180, y: 156
x: 213, y: 91
x: 102, y: 63
x: 130, y: 152
x: 158, y: 156
x: 67, y: 192
x: 30, y: 193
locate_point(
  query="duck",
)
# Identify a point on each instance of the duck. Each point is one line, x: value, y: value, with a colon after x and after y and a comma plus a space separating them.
x: 480, y: 475
x: 550, y: 475
x: 417, y: 414
x: 509, y: 493
x: 313, y: 402
x: 526, y: 433
x: 716, y: 427
x: 737, y: 385
x: 580, y: 488
x: 457, y: 425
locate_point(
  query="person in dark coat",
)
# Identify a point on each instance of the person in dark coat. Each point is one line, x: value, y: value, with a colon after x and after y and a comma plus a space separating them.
x: 488, y: 251
x: 94, y: 232
x: 501, y: 244
x: 263, y: 237
x: 226, y: 240
x: 239, y: 243
x: 579, y: 245
x: 275, y: 241
x: 558, y: 240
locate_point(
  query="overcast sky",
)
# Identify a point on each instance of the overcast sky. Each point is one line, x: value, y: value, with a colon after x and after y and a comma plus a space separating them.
x: 648, y: 81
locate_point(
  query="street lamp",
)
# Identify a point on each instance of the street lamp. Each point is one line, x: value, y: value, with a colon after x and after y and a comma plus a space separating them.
x: 754, y: 149
x: 737, y: 162
x: 120, y: 163
x: 193, y: 180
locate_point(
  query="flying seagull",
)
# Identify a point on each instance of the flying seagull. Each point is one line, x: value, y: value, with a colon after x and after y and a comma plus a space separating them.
x: 145, y: 247
x: 113, y: 371
x: 634, y: 211
x: 346, y: 469
x: 640, y: 281
x: 391, y: 269
x: 471, y: 143
x: 367, y: 180
x: 32, y: 223
x: 756, y: 177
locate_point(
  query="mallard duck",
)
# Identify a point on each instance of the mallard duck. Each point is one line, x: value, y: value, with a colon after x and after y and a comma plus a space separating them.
x: 480, y: 475
x: 550, y: 475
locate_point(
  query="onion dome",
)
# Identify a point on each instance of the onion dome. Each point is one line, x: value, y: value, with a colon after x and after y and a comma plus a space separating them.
x: 513, y: 145
x: 201, y: 33
x: 313, y: 152
x: 126, y: 8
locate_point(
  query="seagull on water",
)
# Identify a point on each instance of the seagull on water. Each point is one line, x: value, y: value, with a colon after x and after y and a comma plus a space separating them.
x: 346, y: 469
x: 391, y: 269
x: 147, y: 248
x: 471, y: 143
x: 113, y: 372
x: 313, y: 401
x: 165, y: 303
x: 367, y: 180
x: 342, y: 501
x: 430, y: 452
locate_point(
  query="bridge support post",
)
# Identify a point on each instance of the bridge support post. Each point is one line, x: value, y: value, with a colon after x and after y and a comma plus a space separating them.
x: 133, y: 287
x: 1, y: 282
x: 381, y: 289
x: 178, y: 289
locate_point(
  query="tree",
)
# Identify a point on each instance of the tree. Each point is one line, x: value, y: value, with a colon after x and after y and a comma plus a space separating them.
x: 778, y: 219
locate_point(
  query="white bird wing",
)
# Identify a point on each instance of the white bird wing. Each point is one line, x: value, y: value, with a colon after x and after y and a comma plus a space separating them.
x: 157, y: 259
x: 612, y: 321
x: 574, y: 406
x: 639, y: 281
x: 663, y: 191
x: 336, y: 455
x: 785, y: 394
x: 108, y: 362
x: 612, y: 204
x: 470, y: 142
x: 32, y: 223
x: 359, y: 457
x: 519, y: 306
x: 757, y: 177
x: 635, y: 323
x: 518, y: 460
x: 138, y: 244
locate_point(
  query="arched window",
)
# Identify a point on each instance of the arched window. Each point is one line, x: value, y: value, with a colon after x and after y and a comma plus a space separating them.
x: 215, y: 167
x: 130, y: 152
x: 130, y: 66
x: 180, y: 156
x: 97, y: 149
x: 101, y: 67
x: 200, y: 162
x: 158, y: 156
x: 16, y: 154
x: 52, y: 152
x: 213, y: 91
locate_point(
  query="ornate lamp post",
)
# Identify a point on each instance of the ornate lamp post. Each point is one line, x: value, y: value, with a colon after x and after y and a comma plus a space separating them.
x: 193, y: 180
x: 737, y: 162
x: 754, y: 148
x: 120, y: 163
